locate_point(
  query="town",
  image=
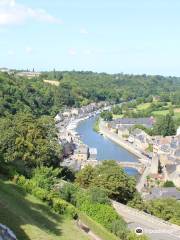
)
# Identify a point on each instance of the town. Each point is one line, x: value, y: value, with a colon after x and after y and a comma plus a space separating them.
x: 158, y: 156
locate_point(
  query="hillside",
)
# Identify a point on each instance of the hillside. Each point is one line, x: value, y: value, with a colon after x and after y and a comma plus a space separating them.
x: 30, y: 219
x: 77, y: 89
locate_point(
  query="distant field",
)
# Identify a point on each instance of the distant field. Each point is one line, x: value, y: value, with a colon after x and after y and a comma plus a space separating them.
x: 165, y: 112
x: 115, y: 116
x: 160, y: 113
x: 30, y: 219
x: 143, y: 106
x: 52, y: 82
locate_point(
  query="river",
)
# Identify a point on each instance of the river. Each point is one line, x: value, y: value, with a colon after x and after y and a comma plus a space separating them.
x: 107, y: 150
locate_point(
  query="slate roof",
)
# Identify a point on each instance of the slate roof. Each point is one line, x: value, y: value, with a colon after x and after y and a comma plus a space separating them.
x: 177, y: 153
x: 170, y: 192
x: 133, y: 121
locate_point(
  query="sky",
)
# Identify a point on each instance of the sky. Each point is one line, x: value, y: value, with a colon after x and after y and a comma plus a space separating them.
x: 113, y: 36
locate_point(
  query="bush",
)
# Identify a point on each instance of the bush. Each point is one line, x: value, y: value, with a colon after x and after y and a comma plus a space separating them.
x: 59, y: 205
x: 68, y: 193
x: 29, y: 186
x: 133, y: 236
x: 21, y: 180
x: 62, y: 207
x: 40, y: 193
x: 119, y: 229
x: 72, y: 211
x: 168, y: 184
x: 98, y: 195
x: 45, y: 177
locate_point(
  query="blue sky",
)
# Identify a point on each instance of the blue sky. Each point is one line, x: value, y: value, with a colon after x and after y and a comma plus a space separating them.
x: 130, y: 36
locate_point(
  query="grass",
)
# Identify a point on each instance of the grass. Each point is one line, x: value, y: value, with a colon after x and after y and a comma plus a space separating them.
x: 31, y: 219
x: 143, y: 106
x: 115, y: 116
x: 160, y: 113
x: 97, y: 228
x: 96, y: 125
x: 165, y: 112
x: 52, y: 82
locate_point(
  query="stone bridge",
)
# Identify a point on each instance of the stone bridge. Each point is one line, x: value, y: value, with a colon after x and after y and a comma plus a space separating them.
x: 137, y: 165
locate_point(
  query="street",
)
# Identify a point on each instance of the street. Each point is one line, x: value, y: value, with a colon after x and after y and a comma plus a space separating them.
x: 153, y: 227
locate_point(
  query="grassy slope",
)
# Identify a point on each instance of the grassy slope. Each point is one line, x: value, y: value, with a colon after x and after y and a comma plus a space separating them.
x: 97, y: 228
x: 30, y: 219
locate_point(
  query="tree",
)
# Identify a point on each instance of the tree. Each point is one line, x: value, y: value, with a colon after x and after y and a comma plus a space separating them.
x: 164, y: 126
x: 171, y: 110
x: 28, y: 142
x: 168, y: 184
x: 45, y: 177
x: 117, y: 110
x: 137, y: 202
x: 107, y: 116
x: 85, y: 176
x: 110, y: 177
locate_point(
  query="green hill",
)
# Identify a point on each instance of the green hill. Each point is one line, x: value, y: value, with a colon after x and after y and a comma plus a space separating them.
x: 31, y: 219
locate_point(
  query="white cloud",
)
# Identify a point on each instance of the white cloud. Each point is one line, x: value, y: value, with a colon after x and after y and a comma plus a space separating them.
x: 13, y: 13
x: 84, y: 31
x: 28, y: 50
x: 72, y: 52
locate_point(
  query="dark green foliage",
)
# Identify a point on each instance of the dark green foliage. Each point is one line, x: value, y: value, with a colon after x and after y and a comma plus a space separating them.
x: 111, y: 177
x: 106, y: 115
x: 119, y: 229
x: 117, y: 110
x: 68, y: 192
x: 101, y: 213
x: 137, y: 202
x: 85, y: 177
x: 164, y: 126
x: 168, y: 184
x: 98, y: 195
x: 45, y: 177
x: 27, y: 142
x: 43, y: 189
x: 167, y: 209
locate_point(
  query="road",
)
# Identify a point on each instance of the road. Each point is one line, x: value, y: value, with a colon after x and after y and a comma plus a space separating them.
x: 153, y: 227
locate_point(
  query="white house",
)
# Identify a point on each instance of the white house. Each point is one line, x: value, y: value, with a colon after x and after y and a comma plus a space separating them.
x: 178, y: 131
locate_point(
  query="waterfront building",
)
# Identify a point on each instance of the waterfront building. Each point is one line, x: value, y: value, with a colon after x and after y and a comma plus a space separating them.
x: 81, y: 153
x: 92, y: 153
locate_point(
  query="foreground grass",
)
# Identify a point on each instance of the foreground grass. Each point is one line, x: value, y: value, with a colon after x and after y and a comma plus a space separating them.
x: 30, y: 219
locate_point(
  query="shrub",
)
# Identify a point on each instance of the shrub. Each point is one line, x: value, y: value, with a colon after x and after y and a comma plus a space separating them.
x: 168, y: 184
x: 21, y: 180
x: 119, y: 229
x: 72, y: 211
x: 98, y: 195
x: 45, y: 177
x: 133, y: 236
x: 59, y: 205
x: 29, y: 186
x: 40, y: 193
x: 68, y: 193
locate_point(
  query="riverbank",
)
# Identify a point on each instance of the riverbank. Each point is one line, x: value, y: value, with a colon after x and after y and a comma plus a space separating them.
x: 96, y: 125
x: 114, y: 137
